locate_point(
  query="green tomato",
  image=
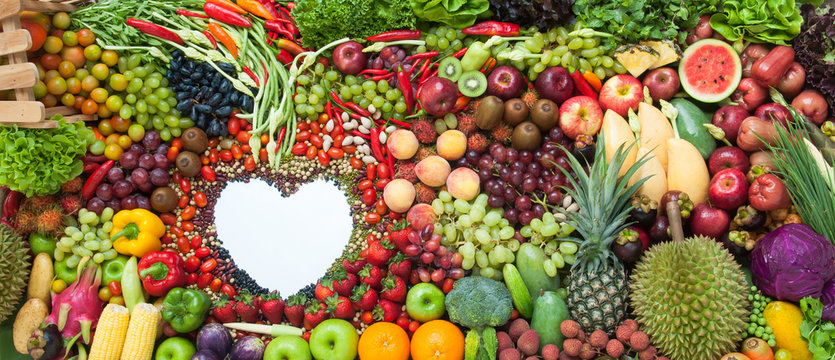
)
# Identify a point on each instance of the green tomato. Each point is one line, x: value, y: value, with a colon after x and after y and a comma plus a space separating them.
x: 40, y: 243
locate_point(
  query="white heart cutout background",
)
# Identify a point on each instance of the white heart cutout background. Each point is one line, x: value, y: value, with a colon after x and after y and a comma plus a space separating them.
x: 283, y: 243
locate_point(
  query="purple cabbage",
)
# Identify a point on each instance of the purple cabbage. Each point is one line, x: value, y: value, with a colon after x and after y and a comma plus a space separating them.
x: 792, y: 262
x: 828, y: 300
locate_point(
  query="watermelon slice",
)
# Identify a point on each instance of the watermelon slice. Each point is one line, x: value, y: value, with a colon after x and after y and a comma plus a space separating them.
x: 710, y: 70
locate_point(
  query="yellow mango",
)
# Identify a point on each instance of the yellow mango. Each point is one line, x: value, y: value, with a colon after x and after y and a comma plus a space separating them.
x: 686, y: 170
x: 655, y: 130
x: 616, y: 132
x: 655, y: 187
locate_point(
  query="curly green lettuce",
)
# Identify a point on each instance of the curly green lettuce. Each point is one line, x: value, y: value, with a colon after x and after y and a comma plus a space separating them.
x: 772, y: 21
x: 39, y: 161
x: 455, y: 13
x: 322, y: 21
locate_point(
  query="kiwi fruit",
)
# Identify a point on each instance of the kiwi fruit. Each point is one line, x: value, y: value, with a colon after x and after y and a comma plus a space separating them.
x: 195, y: 140
x: 489, y: 113
x: 545, y: 114
x: 164, y: 199
x: 515, y: 111
x: 450, y: 68
x: 526, y: 136
x: 472, y: 83
x: 188, y: 163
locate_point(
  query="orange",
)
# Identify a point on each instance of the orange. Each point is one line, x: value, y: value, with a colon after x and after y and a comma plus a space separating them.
x: 384, y: 341
x: 438, y: 340
x: 36, y: 32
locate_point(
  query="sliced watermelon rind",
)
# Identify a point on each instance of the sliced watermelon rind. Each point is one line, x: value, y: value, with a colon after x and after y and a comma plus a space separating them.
x: 706, y: 73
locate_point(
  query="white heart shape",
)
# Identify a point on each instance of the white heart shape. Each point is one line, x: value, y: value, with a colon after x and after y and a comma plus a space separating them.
x: 283, y: 243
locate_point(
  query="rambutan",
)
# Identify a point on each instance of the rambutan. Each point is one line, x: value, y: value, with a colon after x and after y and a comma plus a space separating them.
x: 406, y: 170
x: 502, y: 133
x: 466, y: 124
x: 39, y: 202
x: 473, y: 106
x: 425, y: 194
x: 425, y: 152
x: 530, y: 97
x: 70, y: 203
x: 25, y: 220
x: 424, y: 131
x: 49, y: 220
x: 73, y: 186
x: 477, y: 142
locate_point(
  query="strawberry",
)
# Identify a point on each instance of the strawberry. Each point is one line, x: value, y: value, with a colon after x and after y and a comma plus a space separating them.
x: 247, y: 307
x: 364, y: 297
x: 394, y: 289
x: 343, y: 282
x: 387, y: 310
x: 379, y: 252
x: 294, y: 311
x: 324, y: 289
x: 400, y: 265
x: 400, y: 234
x: 354, y: 263
x: 313, y: 315
x: 372, y: 276
x: 272, y: 307
x: 339, y: 307
x: 224, y: 310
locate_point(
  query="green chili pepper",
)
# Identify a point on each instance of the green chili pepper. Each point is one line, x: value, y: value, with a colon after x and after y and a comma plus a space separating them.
x: 478, y: 52
x: 185, y: 309
x: 112, y: 269
x: 40, y: 243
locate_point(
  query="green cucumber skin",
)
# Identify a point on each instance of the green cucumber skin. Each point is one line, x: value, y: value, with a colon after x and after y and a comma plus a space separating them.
x: 690, y: 124
x: 529, y: 260
x: 518, y: 290
x: 549, y: 311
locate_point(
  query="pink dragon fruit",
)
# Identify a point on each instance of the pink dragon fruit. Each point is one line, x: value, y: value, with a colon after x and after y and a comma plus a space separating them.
x: 76, y: 310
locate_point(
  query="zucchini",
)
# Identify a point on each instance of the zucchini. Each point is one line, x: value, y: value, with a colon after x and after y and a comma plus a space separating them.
x: 549, y: 311
x: 529, y: 261
x: 518, y: 291
x: 690, y: 126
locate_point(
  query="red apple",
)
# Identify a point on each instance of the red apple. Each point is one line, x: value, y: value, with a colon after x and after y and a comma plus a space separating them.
x: 749, y: 94
x: 768, y: 193
x: 555, y: 84
x: 438, y: 96
x: 580, y: 115
x: 773, y: 112
x: 349, y: 58
x: 728, y: 189
x: 812, y: 104
x: 729, y: 118
x: 620, y: 93
x: 505, y: 82
x: 702, y: 30
x: 792, y: 81
x: 709, y: 221
x: 728, y: 157
x: 663, y: 83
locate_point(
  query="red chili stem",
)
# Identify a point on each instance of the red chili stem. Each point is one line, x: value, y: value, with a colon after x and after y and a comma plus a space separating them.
x: 191, y: 14
x: 155, y: 30
x: 251, y: 74
x: 395, y: 35
x: 428, y: 54
x: 401, y: 123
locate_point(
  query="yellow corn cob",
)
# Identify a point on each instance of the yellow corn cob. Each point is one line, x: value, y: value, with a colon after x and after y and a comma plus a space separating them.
x: 110, y: 333
x: 142, y: 331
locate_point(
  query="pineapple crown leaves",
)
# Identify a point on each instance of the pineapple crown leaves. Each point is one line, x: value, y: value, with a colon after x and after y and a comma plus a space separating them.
x: 604, y: 199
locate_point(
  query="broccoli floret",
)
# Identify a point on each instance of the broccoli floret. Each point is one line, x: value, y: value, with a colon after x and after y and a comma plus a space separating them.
x: 477, y: 301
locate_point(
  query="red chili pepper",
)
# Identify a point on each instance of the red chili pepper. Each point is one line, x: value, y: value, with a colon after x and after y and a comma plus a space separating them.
x: 424, y: 55
x: 395, y: 35
x: 357, y: 133
x: 423, y: 68
x: 593, y: 80
x: 354, y: 107
x: 492, y: 28
x: 94, y: 180
x: 289, y: 46
x: 211, y: 38
x: 390, y: 160
x: 229, y: 5
x: 191, y: 14
x: 89, y: 167
x: 278, y: 27
x: 460, y: 53
x: 251, y: 74
x: 582, y: 85
x: 220, y: 13
x: 406, y: 88
x: 281, y: 134
x: 285, y: 57
x: 401, y: 123
x: 382, y: 77
x: 375, y: 145
x: 224, y: 38
x: 154, y: 30
x: 336, y: 99
x: 256, y: 8
x: 270, y: 6
x: 374, y: 72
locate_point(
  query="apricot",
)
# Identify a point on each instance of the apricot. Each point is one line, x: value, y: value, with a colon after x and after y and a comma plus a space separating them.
x: 433, y: 170
x: 402, y: 144
x: 420, y: 215
x: 452, y: 145
x: 463, y: 183
x: 399, y: 195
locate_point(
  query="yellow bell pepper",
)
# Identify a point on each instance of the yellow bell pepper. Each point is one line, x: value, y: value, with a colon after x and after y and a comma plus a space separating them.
x: 136, y: 232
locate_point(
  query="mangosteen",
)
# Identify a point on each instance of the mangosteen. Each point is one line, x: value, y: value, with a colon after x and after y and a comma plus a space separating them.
x: 195, y: 140
x: 526, y: 136
x: 489, y: 113
x: 188, y: 163
x: 628, y: 247
x: 164, y: 199
x: 738, y: 243
x: 45, y: 343
x: 749, y: 218
x: 515, y: 111
x: 644, y: 211
x: 684, y: 203
x: 545, y: 114
x: 660, y: 230
x: 584, y: 148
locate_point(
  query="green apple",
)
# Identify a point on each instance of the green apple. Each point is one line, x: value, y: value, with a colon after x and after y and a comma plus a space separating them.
x: 425, y: 302
x: 334, y: 339
x: 287, y: 347
x: 175, y: 348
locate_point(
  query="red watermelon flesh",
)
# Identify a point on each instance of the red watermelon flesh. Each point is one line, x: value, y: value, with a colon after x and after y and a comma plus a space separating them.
x: 710, y: 70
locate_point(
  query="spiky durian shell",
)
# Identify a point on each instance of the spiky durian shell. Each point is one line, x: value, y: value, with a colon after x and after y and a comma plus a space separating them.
x: 14, y: 270
x: 691, y: 298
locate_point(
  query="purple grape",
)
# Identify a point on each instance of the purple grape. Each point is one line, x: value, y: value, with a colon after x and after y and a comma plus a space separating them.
x: 129, y: 203
x: 522, y: 203
x: 535, y: 169
x: 122, y: 188
x: 129, y: 160
x: 146, y: 187
x: 115, y: 174
x: 104, y: 191
x: 529, y: 184
x: 160, y: 161
x: 517, y: 166
x: 462, y: 162
x: 525, y: 217
x: 553, y: 197
x: 96, y: 205
x: 498, y: 153
x: 115, y: 204
x: 505, y: 173
x: 538, y: 210
x: 143, y: 202
x: 151, y: 140
x: 512, y: 216
x: 556, y: 134
x: 473, y: 157
x: 146, y: 161
x: 525, y: 157
x: 388, y: 51
x: 563, y: 163
x: 485, y: 163
x: 495, y: 201
x: 159, y: 177
x: 139, y: 176
x: 377, y: 63
x: 510, y: 194
x: 516, y: 177
x: 484, y: 175
x: 512, y: 154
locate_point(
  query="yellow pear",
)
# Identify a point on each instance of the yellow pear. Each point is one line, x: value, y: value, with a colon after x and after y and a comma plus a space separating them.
x: 616, y: 132
x: 656, y: 185
x: 655, y: 130
x: 688, y: 171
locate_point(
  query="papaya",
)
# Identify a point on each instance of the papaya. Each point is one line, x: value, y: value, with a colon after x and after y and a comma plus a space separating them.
x: 655, y: 130
x: 656, y: 184
x: 529, y: 261
x: 549, y: 311
x: 616, y: 132
x: 688, y: 171
x: 690, y: 125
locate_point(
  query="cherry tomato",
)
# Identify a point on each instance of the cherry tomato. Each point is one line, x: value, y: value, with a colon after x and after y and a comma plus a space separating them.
x: 208, y: 173
x: 202, y: 252
x: 183, y: 201
x: 191, y: 279
x: 447, y: 286
x: 249, y: 163
x: 200, y: 199
x: 183, y: 245
x: 228, y: 290
x: 172, y: 154
x: 208, y: 265
x: 104, y: 294
x: 370, y: 171
x: 168, y: 218
x: 216, y: 284
x: 185, y: 185
x: 316, y: 141
x: 413, y: 326
x: 369, y: 196
x: 403, y: 322
x: 335, y: 153
x: 204, y: 280
x: 372, y: 218
x: 365, y: 184
x: 263, y: 156
x: 233, y: 127
x: 188, y: 213
x: 237, y: 153
x: 380, y: 207
x: 381, y: 184
x: 243, y: 137
x: 383, y: 171
x: 302, y: 126
x: 115, y: 288
x: 355, y: 163
x: 196, y: 242
x: 187, y: 225
x: 310, y: 154
x: 299, y: 149
x: 226, y: 156
x: 176, y: 231
x: 315, y: 128
x: 324, y: 158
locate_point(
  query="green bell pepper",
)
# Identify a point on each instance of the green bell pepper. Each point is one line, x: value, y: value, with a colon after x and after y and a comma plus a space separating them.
x: 64, y: 272
x: 112, y: 269
x: 185, y: 309
x: 40, y: 243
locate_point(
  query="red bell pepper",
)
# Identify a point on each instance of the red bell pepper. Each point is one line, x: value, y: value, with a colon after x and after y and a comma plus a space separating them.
x: 161, y: 271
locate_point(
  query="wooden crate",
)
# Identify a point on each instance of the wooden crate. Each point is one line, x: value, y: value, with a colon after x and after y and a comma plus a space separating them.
x: 22, y: 75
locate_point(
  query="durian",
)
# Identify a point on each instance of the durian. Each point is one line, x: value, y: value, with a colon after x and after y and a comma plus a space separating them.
x: 14, y: 270
x: 691, y: 298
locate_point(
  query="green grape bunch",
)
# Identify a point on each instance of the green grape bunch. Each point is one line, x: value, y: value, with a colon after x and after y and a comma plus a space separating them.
x: 90, y: 238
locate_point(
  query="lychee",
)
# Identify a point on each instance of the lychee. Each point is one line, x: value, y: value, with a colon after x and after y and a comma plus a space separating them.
x: 424, y: 131
x: 614, y: 348
x: 528, y: 343
x: 70, y: 203
x: 73, y: 186
x: 586, y: 352
x: 502, y: 133
x: 639, y: 340
x: 572, y: 347
x: 504, y: 341
x: 598, y: 339
x: 632, y: 324
x: 550, y: 352
x: 569, y: 329
x: 517, y: 328
x: 39, y: 202
x: 647, y: 354
x: 425, y: 152
x: 623, y: 332
x: 424, y: 193
x: 477, y: 142
x: 510, y: 354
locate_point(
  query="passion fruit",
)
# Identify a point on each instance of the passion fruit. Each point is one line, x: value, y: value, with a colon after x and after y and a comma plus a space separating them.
x: 545, y: 114
x: 164, y: 199
x: 489, y: 113
x: 188, y: 163
x: 526, y: 136
x: 515, y: 111
x: 195, y: 140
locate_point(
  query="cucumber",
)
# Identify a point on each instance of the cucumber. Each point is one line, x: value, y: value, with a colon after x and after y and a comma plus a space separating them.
x: 518, y: 291
x: 529, y: 260
x: 690, y: 123
x: 549, y: 311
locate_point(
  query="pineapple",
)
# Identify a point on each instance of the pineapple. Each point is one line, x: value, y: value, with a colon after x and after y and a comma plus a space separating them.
x: 667, y: 52
x: 636, y: 58
x: 597, y: 283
